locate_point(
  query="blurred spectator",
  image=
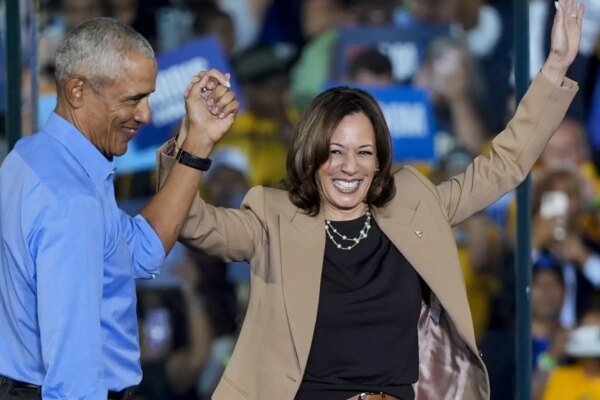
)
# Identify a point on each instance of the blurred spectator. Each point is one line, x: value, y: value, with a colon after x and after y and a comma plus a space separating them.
x: 594, y: 120
x: 319, y: 18
x: 225, y: 184
x: 70, y: 14
x: 262, y: 132
x: 456, y: 88
x: 478, y: 24
x: 432, y: 12
x: 140, y: 15
x: 210, y: 19
x: 479, y: 249
x: 567, y: 154
x: 77, y: 11
x: 569, y: 148
x: 591, y: 28
x: 579, y: 379
x: 371, y: 68
x: 548, y: 336
x: 282, y: 23
x: 372, y: 12
x: 487, y: 35
x: 248, y: 17
x: 558, y: 211
x: 126, y: 11
x: 174, y: 26
x: 220, y: 302
x: 172, y: 356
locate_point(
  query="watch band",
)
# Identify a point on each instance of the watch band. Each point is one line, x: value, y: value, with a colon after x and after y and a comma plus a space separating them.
x: 185, y: 158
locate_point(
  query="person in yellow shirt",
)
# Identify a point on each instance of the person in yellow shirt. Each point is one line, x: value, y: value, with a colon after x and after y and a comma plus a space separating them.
x: 262, y: 132
x: 479, y: 249
x: 581, y: 379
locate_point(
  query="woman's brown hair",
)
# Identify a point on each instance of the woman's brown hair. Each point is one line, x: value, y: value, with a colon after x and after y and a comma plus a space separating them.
x: 310, y: 146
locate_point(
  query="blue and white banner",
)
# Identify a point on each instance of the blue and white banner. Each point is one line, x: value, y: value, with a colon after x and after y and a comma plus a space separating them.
x: 175, y: 70
x: 409, y: 117
x: 405, y: 47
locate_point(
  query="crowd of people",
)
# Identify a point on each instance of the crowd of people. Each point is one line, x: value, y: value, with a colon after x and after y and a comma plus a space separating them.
x: 282, y: 55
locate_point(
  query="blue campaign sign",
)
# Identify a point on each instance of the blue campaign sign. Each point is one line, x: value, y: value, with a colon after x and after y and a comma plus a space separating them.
x: 175, y: 70
x: 409, y: 117
x: 405, y: 47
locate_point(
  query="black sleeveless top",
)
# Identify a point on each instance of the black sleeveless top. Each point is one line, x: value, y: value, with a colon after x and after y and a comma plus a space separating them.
x: 365, y: 336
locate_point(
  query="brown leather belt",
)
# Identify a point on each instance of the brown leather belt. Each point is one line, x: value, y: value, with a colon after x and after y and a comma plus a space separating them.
x: 373, y: 396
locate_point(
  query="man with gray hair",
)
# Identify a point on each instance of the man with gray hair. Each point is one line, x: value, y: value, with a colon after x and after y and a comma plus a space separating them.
x: 68, y: 255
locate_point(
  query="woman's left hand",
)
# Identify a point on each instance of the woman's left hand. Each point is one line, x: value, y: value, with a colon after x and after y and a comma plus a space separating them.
x: 566, y: 35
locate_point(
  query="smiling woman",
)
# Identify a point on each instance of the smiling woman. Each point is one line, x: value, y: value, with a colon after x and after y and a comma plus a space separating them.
x: 346, y: 177
x: 356, y: 285
x: 352, y: 159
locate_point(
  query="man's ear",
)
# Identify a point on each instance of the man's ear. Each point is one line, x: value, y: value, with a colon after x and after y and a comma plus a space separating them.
x: 74, y: 91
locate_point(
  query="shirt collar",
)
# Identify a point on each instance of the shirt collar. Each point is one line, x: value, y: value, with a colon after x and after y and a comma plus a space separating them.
x: 87, y: 155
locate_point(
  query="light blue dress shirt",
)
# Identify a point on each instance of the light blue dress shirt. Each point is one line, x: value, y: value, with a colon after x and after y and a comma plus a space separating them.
x: 68, y: 259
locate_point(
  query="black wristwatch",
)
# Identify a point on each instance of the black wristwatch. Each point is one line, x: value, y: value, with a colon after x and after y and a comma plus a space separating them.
x: 185, y: 158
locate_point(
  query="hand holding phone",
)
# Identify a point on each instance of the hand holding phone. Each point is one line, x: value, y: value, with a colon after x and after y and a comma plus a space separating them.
x: 555, y: 205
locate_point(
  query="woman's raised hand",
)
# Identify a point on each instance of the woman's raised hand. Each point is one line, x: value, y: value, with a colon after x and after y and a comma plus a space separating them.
x: 565, y: 38
x: 210, y: 106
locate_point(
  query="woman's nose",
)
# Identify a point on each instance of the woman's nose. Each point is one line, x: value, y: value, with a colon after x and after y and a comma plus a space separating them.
x: 349, y: 164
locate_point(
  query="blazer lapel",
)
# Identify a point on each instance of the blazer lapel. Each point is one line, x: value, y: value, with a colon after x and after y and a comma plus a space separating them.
x: 416, y: 234
x: 302, y: 251
x: 410, y: 234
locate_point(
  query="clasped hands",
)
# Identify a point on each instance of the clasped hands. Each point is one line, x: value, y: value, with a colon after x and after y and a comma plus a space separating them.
x: 210, y: 109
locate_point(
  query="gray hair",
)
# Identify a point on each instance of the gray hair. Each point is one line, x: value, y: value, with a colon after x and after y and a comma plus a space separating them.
x: 95, y: 49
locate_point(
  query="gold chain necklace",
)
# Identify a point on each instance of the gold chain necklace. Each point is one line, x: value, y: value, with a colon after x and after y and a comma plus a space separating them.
x: 364, y: 232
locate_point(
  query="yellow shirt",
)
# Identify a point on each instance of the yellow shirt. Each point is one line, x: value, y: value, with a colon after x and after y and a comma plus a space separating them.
x: 481, y: 287
x: 261, y: 143
x: 570, y: 383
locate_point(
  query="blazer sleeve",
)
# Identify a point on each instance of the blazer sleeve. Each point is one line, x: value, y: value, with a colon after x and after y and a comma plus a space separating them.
x: 230, y: 234
x: 513, y: 151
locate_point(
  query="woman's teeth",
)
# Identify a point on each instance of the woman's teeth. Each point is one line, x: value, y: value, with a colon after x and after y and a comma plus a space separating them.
x: 345, y: 185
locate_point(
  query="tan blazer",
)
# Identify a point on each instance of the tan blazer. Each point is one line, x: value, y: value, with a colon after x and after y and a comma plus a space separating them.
x: 285, y: 249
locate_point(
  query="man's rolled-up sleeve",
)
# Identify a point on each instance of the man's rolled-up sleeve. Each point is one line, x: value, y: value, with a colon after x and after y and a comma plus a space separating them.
x: 147, y: 251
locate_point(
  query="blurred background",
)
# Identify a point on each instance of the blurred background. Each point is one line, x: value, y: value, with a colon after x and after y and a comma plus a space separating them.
x: 442, y: 71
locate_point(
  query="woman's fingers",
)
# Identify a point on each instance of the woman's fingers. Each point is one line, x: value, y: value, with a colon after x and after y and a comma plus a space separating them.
x: 214, y: 87
x: 212, y: 78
